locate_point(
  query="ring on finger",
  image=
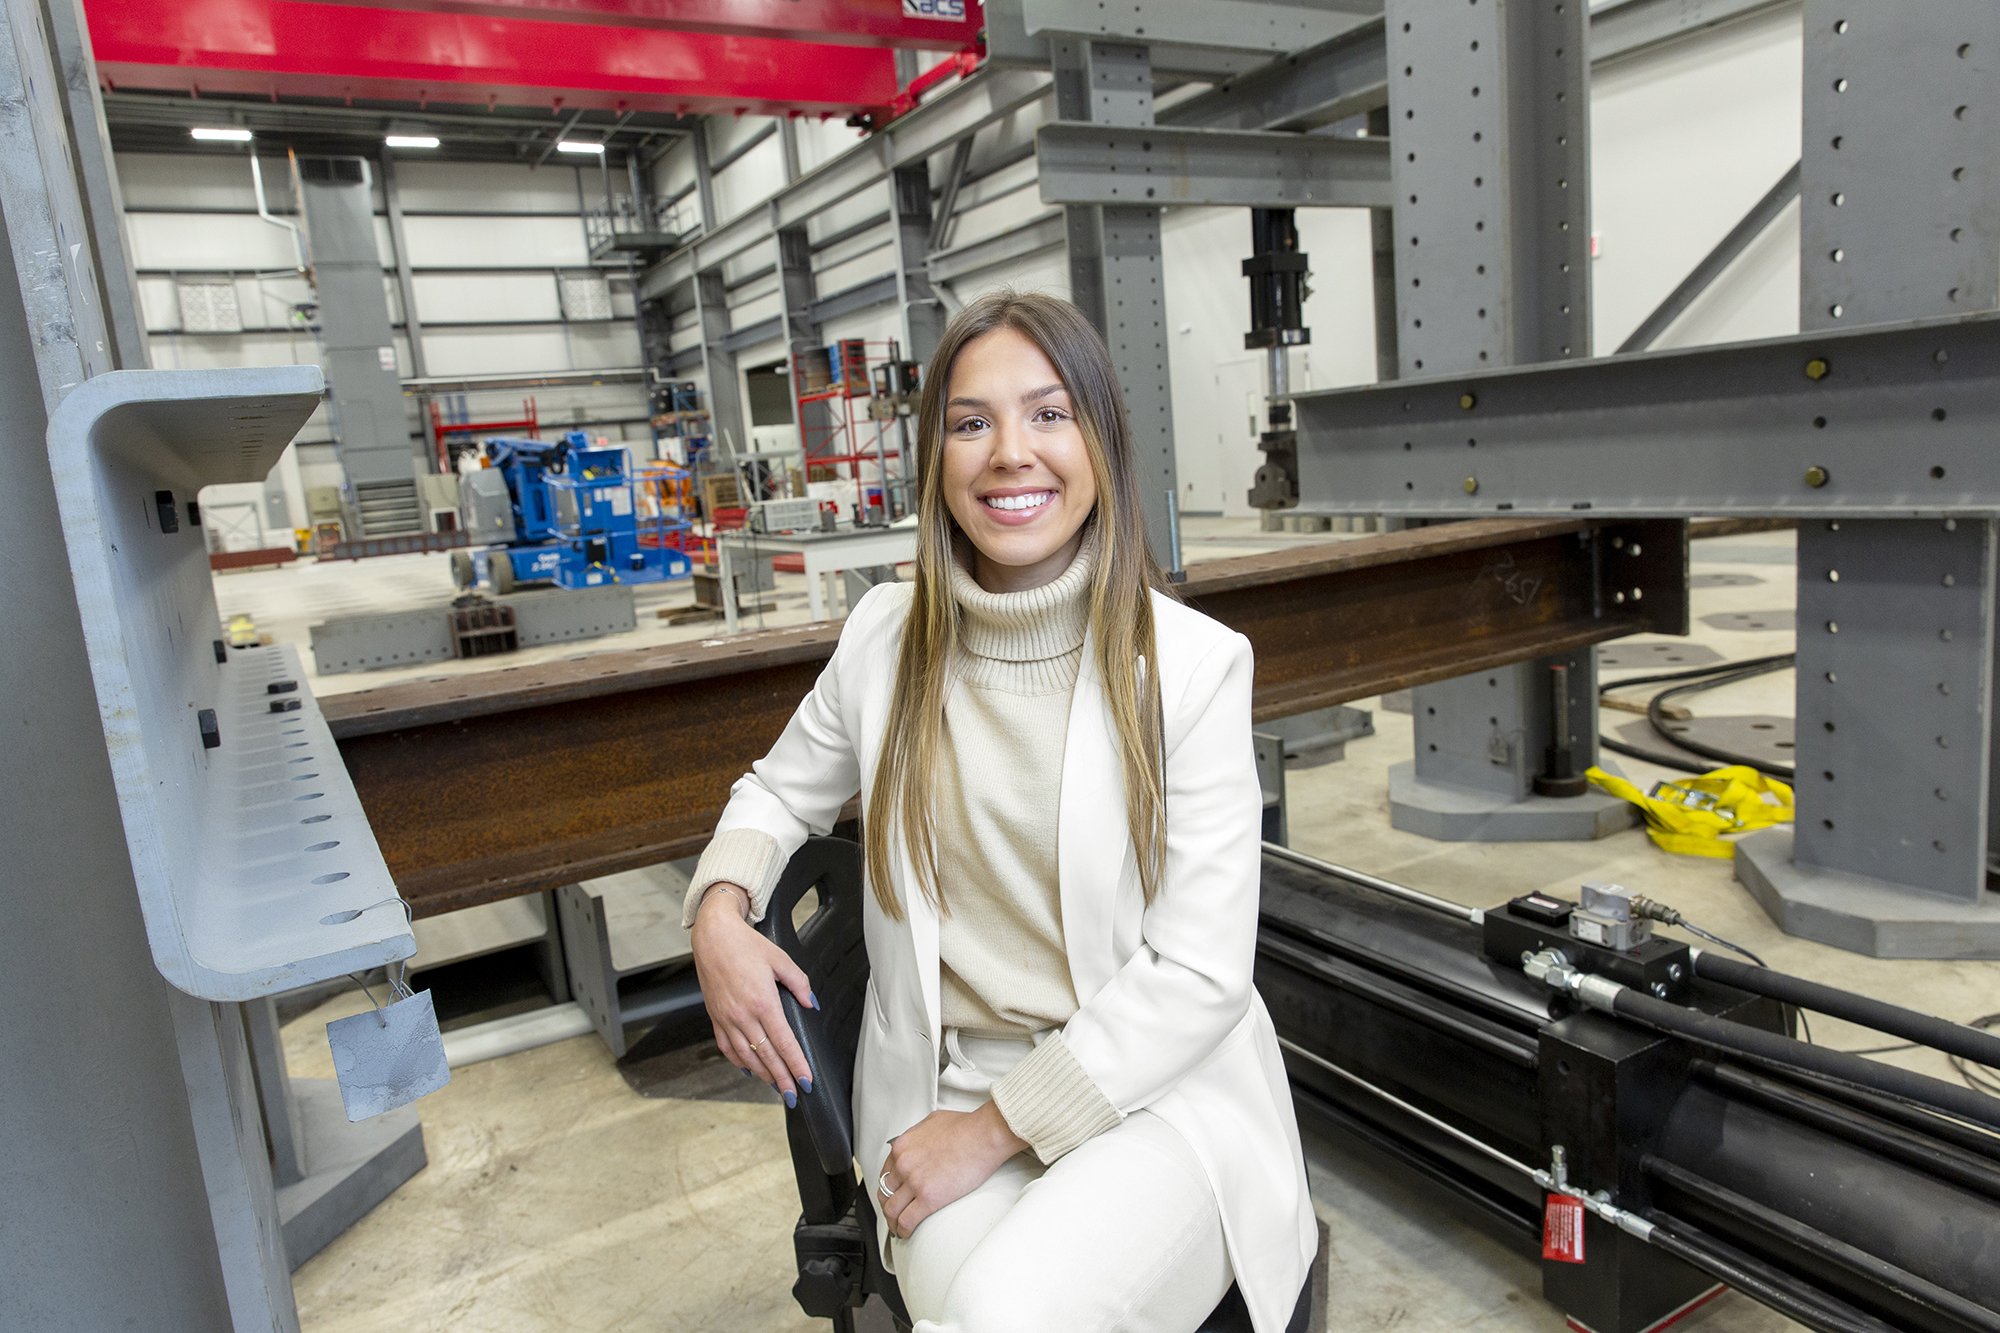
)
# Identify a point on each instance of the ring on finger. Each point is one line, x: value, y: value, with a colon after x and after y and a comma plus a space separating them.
x: 882, y: 1183
x: 755, y: 1044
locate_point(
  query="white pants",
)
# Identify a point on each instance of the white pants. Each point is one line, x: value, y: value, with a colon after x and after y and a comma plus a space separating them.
x: 1121, y: 1235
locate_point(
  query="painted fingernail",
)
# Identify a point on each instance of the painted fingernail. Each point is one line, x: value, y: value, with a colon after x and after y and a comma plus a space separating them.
x: 791, y: 1100
x: 806, y: 1083
x: 746, y: 1073
x: 812, y: 999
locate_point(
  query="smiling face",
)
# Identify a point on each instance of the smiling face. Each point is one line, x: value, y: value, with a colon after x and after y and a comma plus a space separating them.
x: 1016, y: 470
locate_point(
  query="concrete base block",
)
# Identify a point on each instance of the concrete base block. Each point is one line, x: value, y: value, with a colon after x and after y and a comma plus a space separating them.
x: 1865, y: 916
x: 1462, y: 814
x: 352, y: 1167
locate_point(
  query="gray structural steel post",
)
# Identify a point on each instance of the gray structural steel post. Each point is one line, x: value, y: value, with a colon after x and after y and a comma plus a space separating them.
x: 1114, y: 264
x: 1900, y: 219
x: 406, y: 283
x: 911, y: 223
x: 138, y: 1189
x: 796, y: 294
x: 1488, y: 127
x: 718, y: 363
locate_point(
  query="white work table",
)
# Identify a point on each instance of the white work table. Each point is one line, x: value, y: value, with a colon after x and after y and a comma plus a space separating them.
x: 825, y: 553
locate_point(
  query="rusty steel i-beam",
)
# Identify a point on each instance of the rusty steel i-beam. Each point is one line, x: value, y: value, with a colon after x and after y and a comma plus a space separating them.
x: 515, y: 781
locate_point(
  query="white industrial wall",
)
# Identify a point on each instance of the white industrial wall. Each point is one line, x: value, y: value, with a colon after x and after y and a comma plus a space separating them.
x: 486, y: 242
x: 1684, y: 138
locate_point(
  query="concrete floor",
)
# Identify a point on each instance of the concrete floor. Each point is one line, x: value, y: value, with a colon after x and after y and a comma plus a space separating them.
x: 558, y: 1199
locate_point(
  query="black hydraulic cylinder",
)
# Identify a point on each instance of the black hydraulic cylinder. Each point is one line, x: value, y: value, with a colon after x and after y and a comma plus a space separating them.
x: 1938, y: 1033
x: 1277, y: 273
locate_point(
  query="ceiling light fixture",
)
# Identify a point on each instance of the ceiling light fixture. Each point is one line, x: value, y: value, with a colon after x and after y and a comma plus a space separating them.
x: 579, y: 146
x: 220, y: 134
x: 412, y: 141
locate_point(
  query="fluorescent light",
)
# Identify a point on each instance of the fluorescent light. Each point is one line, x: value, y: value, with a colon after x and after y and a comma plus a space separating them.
x: 579, y: 146
x: 220, y: 134
x: 412, y: 141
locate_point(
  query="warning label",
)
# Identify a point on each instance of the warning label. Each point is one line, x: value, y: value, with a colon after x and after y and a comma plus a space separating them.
x: 1562, y: 1229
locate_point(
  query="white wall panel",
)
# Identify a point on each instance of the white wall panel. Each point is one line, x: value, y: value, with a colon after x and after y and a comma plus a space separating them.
x: 208, y: 241
x: 524, y: 242
x: 489, y: 187
x: 750, y: 179
x: 500, y: 298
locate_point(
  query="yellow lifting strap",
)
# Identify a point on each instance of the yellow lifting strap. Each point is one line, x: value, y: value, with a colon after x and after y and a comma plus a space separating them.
x: 1693, y: 817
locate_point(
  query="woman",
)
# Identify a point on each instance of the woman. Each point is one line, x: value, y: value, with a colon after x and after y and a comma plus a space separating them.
x: 1068, y: 1095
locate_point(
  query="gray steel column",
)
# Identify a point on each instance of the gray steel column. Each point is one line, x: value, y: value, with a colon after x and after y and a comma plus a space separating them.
x: 1489, y: 132
x: 921, y: 311
x: 1114, y: 265
x: 130, y: 1202
x: 406, y: 286
x: 796, y: 293
x: 725, y: 389
x: 1900, y: 219
x: 788, y: 147
x: 704, y: 177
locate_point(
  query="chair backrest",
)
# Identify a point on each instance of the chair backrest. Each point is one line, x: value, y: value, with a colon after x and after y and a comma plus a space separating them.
x: 828, y: 945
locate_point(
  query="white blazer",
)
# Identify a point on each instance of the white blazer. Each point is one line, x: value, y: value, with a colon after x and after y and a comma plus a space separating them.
x: 1169, y: 1020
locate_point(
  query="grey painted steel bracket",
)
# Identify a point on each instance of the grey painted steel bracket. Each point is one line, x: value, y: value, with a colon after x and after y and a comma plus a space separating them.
x: 1895, y: 421
x: 256, y: 868
x: 1083, y: 163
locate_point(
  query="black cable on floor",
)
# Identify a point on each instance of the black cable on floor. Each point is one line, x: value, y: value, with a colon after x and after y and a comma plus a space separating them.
x: 1713, y: 676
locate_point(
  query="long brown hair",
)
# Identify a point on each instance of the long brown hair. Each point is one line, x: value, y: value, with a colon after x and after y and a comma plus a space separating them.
x: 1120, y: 610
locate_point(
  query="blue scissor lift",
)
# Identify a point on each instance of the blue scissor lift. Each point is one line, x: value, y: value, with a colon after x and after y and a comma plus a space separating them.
x: 561, y: 512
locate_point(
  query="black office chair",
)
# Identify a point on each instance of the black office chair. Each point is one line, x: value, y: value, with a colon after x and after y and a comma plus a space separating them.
x: 839, y: 1265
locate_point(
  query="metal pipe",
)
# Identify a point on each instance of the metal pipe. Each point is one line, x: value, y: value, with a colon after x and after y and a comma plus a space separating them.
x: 264, y: 212
x: 1759, y: 1281
x: 1277, y: 373
x: 1367, y: 881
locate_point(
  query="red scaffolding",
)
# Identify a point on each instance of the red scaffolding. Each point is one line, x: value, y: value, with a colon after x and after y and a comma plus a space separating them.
x: 845, y: 431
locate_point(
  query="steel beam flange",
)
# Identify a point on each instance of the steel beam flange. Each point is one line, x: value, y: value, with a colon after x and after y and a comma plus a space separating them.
x: 1894, y: 421
x: 631, y: 753
x: 1158, y: 165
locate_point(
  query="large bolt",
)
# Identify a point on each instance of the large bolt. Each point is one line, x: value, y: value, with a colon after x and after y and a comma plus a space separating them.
x: 1468, y: 401
x: 1816, y: 476
x: 1818, y: 368
x: 1472, y: 485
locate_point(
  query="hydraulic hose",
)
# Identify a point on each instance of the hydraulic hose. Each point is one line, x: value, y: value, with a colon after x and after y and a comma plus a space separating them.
x: 1721, y: 1034
x: 1758, y: 1281
x: 1937, y: 1033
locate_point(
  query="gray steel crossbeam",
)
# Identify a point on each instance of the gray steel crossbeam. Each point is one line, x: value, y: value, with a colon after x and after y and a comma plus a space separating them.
x: 1217, y: 25
x: 1333, y: 80
x: 1900, y: 425
x: 1151, y: 165
x: 1032, y: 237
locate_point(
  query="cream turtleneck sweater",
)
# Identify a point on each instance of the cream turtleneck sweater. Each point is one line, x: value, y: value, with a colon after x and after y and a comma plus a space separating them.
x: 1003, y: 969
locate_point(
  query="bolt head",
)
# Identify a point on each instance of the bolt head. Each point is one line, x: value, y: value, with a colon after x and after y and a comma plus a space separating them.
x: 1472, y: 485
x: 1818, y: 368
x: 1817, y: 476
x: 1468, y: 401
x: 1660, y: 989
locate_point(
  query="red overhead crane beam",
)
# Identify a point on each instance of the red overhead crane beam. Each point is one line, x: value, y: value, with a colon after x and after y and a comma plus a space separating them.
x: 935, y: 25
x: 281, y: 48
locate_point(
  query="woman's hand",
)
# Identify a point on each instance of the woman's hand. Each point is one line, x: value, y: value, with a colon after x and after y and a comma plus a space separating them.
x: 941, y: 1159
x: 740, y: 972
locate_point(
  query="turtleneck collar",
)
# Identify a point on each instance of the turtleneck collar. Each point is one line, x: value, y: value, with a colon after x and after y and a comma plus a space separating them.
x: 1032, y: 625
